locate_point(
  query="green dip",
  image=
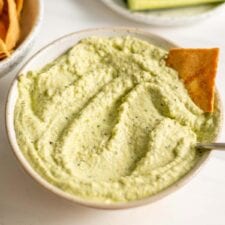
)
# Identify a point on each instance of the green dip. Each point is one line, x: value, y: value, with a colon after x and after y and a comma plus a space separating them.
x: 109, y: 122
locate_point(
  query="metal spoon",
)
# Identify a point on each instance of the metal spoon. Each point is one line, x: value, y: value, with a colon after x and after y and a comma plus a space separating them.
x: 210, y: 146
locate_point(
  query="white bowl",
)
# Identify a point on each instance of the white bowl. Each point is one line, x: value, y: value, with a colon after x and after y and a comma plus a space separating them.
x: 31, y: 18
x: 48, y: 54
x: 166, y: 17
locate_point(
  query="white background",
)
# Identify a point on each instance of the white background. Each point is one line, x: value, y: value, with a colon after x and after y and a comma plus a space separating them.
x: 202, y: 201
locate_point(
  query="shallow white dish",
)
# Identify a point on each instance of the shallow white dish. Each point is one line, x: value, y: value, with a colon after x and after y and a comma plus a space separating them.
x: 168, y: 17
x: 48, y: 54
x: 31, y: 18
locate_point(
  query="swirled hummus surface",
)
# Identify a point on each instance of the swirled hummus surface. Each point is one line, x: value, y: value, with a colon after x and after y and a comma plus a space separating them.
x: 108, y: 121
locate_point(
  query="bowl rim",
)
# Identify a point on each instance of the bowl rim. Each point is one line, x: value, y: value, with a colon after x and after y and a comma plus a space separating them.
x: 29, y: 38
x: 27, y: 167
x: 160, y: 20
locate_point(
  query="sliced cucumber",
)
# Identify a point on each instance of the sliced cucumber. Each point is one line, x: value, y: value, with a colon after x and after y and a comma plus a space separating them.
x: 160, y: 4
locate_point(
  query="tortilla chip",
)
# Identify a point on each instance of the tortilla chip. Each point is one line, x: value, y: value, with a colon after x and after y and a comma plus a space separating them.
x: 13, y: 32
x: 197, y: 68
x: 19, y: 7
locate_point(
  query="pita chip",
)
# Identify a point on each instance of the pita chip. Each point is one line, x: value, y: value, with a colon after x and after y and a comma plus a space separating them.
x: 19, y: 6
x: 13, y: 32
x: 3, y: 50
x: 1, y: 5
x: 197, y: 68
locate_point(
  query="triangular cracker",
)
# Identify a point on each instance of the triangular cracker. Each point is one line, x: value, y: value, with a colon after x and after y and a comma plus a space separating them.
x: 197, y: 68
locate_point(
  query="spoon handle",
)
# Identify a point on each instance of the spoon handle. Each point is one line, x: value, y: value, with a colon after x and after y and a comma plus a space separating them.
x: 210, y: 146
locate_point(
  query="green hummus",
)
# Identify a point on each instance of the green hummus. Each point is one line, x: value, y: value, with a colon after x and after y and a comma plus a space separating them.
x: 109, y: 122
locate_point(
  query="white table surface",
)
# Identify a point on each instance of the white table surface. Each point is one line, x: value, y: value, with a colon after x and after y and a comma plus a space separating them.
x: 202, y: 201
